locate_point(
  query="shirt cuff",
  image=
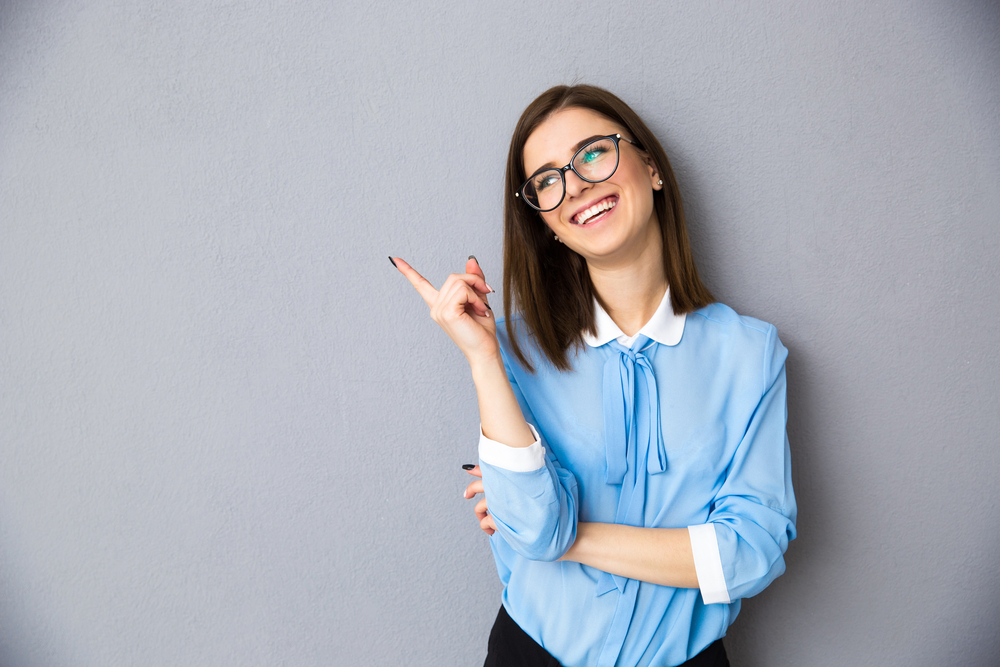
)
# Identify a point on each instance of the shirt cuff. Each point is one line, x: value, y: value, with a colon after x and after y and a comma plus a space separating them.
x: 708, y: 564
x: 515, y: 459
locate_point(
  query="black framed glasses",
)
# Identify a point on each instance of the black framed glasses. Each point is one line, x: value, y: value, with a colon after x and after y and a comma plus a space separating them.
x: 597, y: 161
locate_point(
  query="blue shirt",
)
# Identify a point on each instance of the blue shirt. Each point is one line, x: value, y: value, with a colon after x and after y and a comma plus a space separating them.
x: 682, y: 425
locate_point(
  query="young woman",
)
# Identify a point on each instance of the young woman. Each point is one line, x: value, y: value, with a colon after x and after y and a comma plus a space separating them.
x: 634, y: 462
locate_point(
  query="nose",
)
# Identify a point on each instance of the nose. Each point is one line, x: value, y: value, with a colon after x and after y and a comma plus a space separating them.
x: 574, y: 184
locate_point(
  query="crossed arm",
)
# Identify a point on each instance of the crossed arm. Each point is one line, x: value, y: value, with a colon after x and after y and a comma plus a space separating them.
x: 655, y: 555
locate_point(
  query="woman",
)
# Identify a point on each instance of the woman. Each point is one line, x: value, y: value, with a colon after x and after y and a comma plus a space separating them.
x: 633, y: 449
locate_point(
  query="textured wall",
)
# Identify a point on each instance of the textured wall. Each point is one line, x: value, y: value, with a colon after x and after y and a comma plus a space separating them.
x: 230, y: 434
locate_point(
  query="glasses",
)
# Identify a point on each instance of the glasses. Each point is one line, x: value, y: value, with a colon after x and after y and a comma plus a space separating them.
x: 597, y: 161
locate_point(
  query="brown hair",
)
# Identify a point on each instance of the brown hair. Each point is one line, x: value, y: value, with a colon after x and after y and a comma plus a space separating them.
x: 546, y: 282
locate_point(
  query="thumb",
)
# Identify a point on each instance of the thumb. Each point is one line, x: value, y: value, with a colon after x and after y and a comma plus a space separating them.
x: 472, y: 266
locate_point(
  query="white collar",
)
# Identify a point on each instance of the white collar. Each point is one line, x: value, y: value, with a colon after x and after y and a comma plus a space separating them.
x: 664, y: 327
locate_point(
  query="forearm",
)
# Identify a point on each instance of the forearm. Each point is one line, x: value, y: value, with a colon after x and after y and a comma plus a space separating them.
x: 655, y: 555
x: 499, y: 410
x: 532, y: 500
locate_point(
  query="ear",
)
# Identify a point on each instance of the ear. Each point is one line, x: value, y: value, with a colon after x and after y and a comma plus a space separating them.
x: 654, y: 174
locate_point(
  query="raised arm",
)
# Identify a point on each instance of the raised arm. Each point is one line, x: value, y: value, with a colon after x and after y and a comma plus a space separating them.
x: 461, y: 308
x: 534, y: 500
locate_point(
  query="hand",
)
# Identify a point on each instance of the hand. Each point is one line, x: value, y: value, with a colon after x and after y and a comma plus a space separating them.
x: 460, y: 308
x: 482, y: 511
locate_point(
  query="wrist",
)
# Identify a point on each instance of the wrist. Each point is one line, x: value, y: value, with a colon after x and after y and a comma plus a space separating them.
x: 486, y: 365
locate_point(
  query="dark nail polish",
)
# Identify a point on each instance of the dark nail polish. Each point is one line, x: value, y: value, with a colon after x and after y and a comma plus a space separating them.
x: 393, y: 262
x: 474, y: 257
x: 468, y: 466
x: 488, y: 306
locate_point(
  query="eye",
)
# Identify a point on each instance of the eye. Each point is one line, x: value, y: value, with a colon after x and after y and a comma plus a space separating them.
x: 545, y: 181
x: 592, y: 154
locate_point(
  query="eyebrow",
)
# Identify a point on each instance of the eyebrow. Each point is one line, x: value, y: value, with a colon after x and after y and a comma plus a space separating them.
x: 580, y: 144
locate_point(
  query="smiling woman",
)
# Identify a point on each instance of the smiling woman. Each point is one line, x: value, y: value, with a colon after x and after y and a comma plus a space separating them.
x: 633, y: 460
x: 551, y: 284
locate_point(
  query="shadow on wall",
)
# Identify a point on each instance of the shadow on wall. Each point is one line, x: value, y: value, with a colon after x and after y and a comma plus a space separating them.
x: 11, y: 653
x: 28, y: 636
x: 770, y: 628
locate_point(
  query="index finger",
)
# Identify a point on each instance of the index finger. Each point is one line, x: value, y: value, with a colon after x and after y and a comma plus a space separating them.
x: 423, y: 287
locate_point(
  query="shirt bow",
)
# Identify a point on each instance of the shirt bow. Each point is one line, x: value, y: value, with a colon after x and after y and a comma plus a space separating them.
x: 634, y: 448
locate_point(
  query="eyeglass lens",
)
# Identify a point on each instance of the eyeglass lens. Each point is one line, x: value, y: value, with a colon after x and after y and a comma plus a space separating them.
x: 595, y: 162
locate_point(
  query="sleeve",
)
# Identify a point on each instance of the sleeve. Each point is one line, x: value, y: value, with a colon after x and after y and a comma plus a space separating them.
x: 532, y: 498
x: 752, y: 518
x: 517, y: 459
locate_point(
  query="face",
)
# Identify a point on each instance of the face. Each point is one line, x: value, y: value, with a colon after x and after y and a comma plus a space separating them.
x: 624, y: 226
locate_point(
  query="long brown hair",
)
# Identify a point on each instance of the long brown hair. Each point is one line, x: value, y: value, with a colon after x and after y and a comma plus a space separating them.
x: 549, y: 284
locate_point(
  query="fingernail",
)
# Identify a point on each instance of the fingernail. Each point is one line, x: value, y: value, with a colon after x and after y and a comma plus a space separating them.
x: 468, y: 466
x: 492, y: 291
x: 393, y: 262
x: 488, y: 306
x: 474, y: 257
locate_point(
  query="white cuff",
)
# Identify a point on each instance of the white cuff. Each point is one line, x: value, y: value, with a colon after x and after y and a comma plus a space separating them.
x: 708, y: 564
x: 515, y: 459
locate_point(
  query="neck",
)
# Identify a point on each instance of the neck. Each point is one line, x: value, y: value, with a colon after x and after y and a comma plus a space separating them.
x: 631, y: 289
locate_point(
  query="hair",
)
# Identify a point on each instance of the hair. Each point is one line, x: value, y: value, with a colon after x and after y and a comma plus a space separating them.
x: 549, y: 284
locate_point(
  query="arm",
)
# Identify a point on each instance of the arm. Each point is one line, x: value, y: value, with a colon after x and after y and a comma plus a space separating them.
x: 657, y: 555
x: 533, y: 499
x: 754, y: 512
x: 535, y: 511
x: 751, y: 521
x: 533, y: 503
x: 460, y: 307
x: 499, y: 411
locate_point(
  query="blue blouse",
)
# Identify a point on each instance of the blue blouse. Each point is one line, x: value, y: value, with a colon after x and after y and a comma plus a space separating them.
x: 682, y: 425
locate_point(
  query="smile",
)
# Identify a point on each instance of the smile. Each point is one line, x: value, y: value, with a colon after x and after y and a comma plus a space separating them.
x: 595, y: 212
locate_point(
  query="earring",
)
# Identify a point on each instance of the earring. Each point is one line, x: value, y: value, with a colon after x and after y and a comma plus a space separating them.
x: 556, y: 237
x: 660, y: 182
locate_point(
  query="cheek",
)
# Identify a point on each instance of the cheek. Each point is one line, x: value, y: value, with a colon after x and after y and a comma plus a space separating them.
x: 549, y: 219
x: 641, y: 193
x: 637, y: 173
x: 641, y: 179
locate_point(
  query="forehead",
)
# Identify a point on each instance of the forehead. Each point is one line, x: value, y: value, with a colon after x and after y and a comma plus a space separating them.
x: 555, y: 139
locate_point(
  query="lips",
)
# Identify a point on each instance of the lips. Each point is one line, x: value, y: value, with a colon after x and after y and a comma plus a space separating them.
x: 595, y: 211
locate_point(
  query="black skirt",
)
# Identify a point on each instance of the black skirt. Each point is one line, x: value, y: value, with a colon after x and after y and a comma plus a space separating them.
x: 510, y: 646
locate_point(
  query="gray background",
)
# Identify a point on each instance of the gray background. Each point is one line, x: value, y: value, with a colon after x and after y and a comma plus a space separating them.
x: 231, y: 435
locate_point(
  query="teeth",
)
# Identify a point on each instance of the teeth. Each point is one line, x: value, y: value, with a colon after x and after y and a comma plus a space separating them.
x: 605, y: 205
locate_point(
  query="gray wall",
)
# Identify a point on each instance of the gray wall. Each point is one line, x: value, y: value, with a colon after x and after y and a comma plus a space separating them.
x: 231, y: 435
